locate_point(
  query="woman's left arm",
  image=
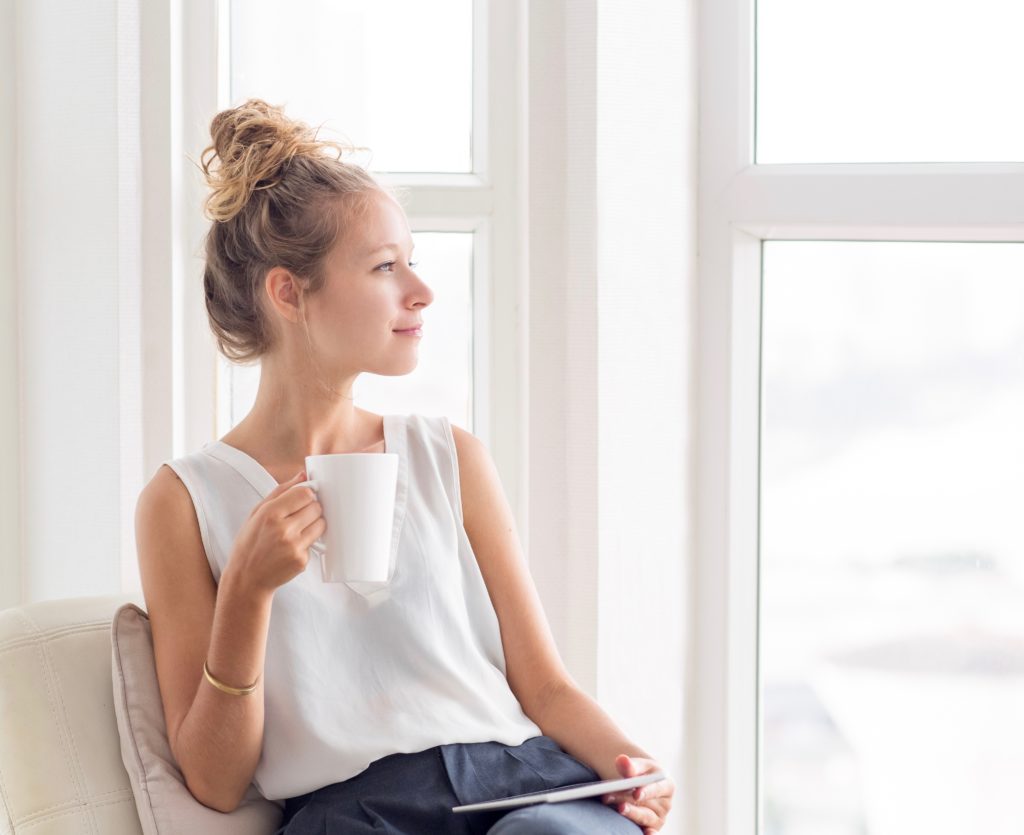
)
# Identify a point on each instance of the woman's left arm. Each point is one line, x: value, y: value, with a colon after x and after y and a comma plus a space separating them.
x: 533, y: 667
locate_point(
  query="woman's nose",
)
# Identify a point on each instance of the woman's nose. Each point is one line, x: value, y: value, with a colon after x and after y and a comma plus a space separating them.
x: 424, y: 292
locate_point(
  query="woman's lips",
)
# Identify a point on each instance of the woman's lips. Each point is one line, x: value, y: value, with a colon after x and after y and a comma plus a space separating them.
x: 411, y: 332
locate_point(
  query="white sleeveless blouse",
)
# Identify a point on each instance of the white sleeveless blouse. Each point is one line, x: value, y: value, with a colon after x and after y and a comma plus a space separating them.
x: 357, y: 671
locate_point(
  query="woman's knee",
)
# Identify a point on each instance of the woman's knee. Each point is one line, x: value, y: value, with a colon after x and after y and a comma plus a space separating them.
x: 529, y: 821
x: 578, y: 817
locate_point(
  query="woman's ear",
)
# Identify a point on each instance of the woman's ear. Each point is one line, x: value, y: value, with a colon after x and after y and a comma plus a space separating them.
x: 285, y: 293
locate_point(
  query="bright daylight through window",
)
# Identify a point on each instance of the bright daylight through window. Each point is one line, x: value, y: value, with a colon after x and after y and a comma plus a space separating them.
x: 330, y: 75
x: 892, y: 553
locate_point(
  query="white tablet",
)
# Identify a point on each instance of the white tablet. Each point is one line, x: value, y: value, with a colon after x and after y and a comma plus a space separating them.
x: 564, y: 793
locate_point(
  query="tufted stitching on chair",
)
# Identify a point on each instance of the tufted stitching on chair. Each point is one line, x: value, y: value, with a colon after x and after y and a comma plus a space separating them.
x: 65, y: 804
x: 64, y: 727
x: 57, y: 632
x: 69, y: 806
x: 87, y: 806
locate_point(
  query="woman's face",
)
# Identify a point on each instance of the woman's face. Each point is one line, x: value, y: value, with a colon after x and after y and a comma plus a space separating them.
x: 370, y: 292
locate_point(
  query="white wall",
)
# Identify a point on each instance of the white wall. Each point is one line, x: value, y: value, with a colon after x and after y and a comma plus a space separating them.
x: 10, y: 470
x: 75, y: 112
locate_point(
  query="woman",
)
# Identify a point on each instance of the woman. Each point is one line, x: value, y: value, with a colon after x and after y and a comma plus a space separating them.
x: 360, y: 707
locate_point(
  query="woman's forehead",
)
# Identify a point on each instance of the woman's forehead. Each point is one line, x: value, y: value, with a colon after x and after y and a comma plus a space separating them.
x: 382, y: 225
x: 377, y: 225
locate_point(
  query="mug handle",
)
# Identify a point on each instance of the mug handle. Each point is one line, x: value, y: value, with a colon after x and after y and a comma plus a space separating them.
x: 318, y: 547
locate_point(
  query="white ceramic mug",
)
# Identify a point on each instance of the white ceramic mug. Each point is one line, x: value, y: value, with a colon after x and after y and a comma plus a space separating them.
x: 357, y: 493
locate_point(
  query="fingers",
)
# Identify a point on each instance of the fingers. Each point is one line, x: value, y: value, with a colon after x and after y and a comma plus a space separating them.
x: 646, y: 805
x: 624, y: 797
x: 652, y: 815
x: 640, y: 815
x: 305, y: 516
x: 290, y: 499
x: 659, y: 788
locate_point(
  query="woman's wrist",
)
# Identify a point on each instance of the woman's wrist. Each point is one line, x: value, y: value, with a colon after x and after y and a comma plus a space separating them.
x: 238, y: 638
x: 235, y: 585
x: 248, y: 690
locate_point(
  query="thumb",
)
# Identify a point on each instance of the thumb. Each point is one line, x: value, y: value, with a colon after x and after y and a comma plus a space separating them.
x: 625, y: 765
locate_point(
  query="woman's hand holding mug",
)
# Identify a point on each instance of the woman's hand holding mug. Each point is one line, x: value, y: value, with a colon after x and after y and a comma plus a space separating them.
x: 273, y: 544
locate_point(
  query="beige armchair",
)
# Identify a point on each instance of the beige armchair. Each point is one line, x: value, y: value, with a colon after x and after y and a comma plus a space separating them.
x: 83, y: 744
x: 60, y: 758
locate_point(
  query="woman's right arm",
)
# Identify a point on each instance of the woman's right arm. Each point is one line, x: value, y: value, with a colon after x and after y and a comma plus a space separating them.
x: 216, y: 737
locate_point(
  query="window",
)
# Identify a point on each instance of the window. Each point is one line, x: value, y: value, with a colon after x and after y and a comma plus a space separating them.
x: 405, y: 91
x: 858, y: 286
x: 892, y: 583
x: 417, y: 97
x: 889, y: 81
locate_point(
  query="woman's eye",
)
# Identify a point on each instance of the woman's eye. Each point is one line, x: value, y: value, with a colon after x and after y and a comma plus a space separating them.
x: 412, y: 265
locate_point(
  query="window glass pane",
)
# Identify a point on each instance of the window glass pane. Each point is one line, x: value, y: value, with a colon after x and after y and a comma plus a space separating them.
x: 441, y: 384
x: 892, y: 547
x: 395, y: 76
x: 889, y: 81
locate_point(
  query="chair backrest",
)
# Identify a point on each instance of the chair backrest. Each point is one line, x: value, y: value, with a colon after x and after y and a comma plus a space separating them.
x: 60, y: 755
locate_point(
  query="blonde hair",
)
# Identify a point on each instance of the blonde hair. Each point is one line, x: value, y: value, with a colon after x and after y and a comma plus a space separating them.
x: 277, y: 198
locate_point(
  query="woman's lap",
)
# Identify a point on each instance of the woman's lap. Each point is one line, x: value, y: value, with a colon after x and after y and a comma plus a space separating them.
x: 574, y: 817
x: 400, y: 794
x: 412, y: 794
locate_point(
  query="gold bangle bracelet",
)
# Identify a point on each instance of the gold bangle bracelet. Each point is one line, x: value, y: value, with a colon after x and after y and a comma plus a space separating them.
x: 220, y: 685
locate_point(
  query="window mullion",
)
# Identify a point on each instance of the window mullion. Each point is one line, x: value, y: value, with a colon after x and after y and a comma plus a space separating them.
x: 444, y: 201
x: 878, y: 200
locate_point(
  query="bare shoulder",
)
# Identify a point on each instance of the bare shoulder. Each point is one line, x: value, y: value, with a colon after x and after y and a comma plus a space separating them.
x: 165, y: 483
x: 173, y: 566
x: 178, y: 587
x: 476, y: 468
x: 168, y: 538
x: 466, y: 443
x: 164, y: 503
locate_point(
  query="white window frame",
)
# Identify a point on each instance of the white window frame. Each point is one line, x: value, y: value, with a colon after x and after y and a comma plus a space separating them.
x: 740, y: 206
x: 486, y: 202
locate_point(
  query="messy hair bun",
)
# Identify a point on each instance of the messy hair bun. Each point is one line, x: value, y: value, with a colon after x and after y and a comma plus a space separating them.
x: 278, y: 197
x: 252, y: 144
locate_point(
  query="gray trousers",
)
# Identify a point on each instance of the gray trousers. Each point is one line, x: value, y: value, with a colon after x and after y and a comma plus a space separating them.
x: 413, y: 794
